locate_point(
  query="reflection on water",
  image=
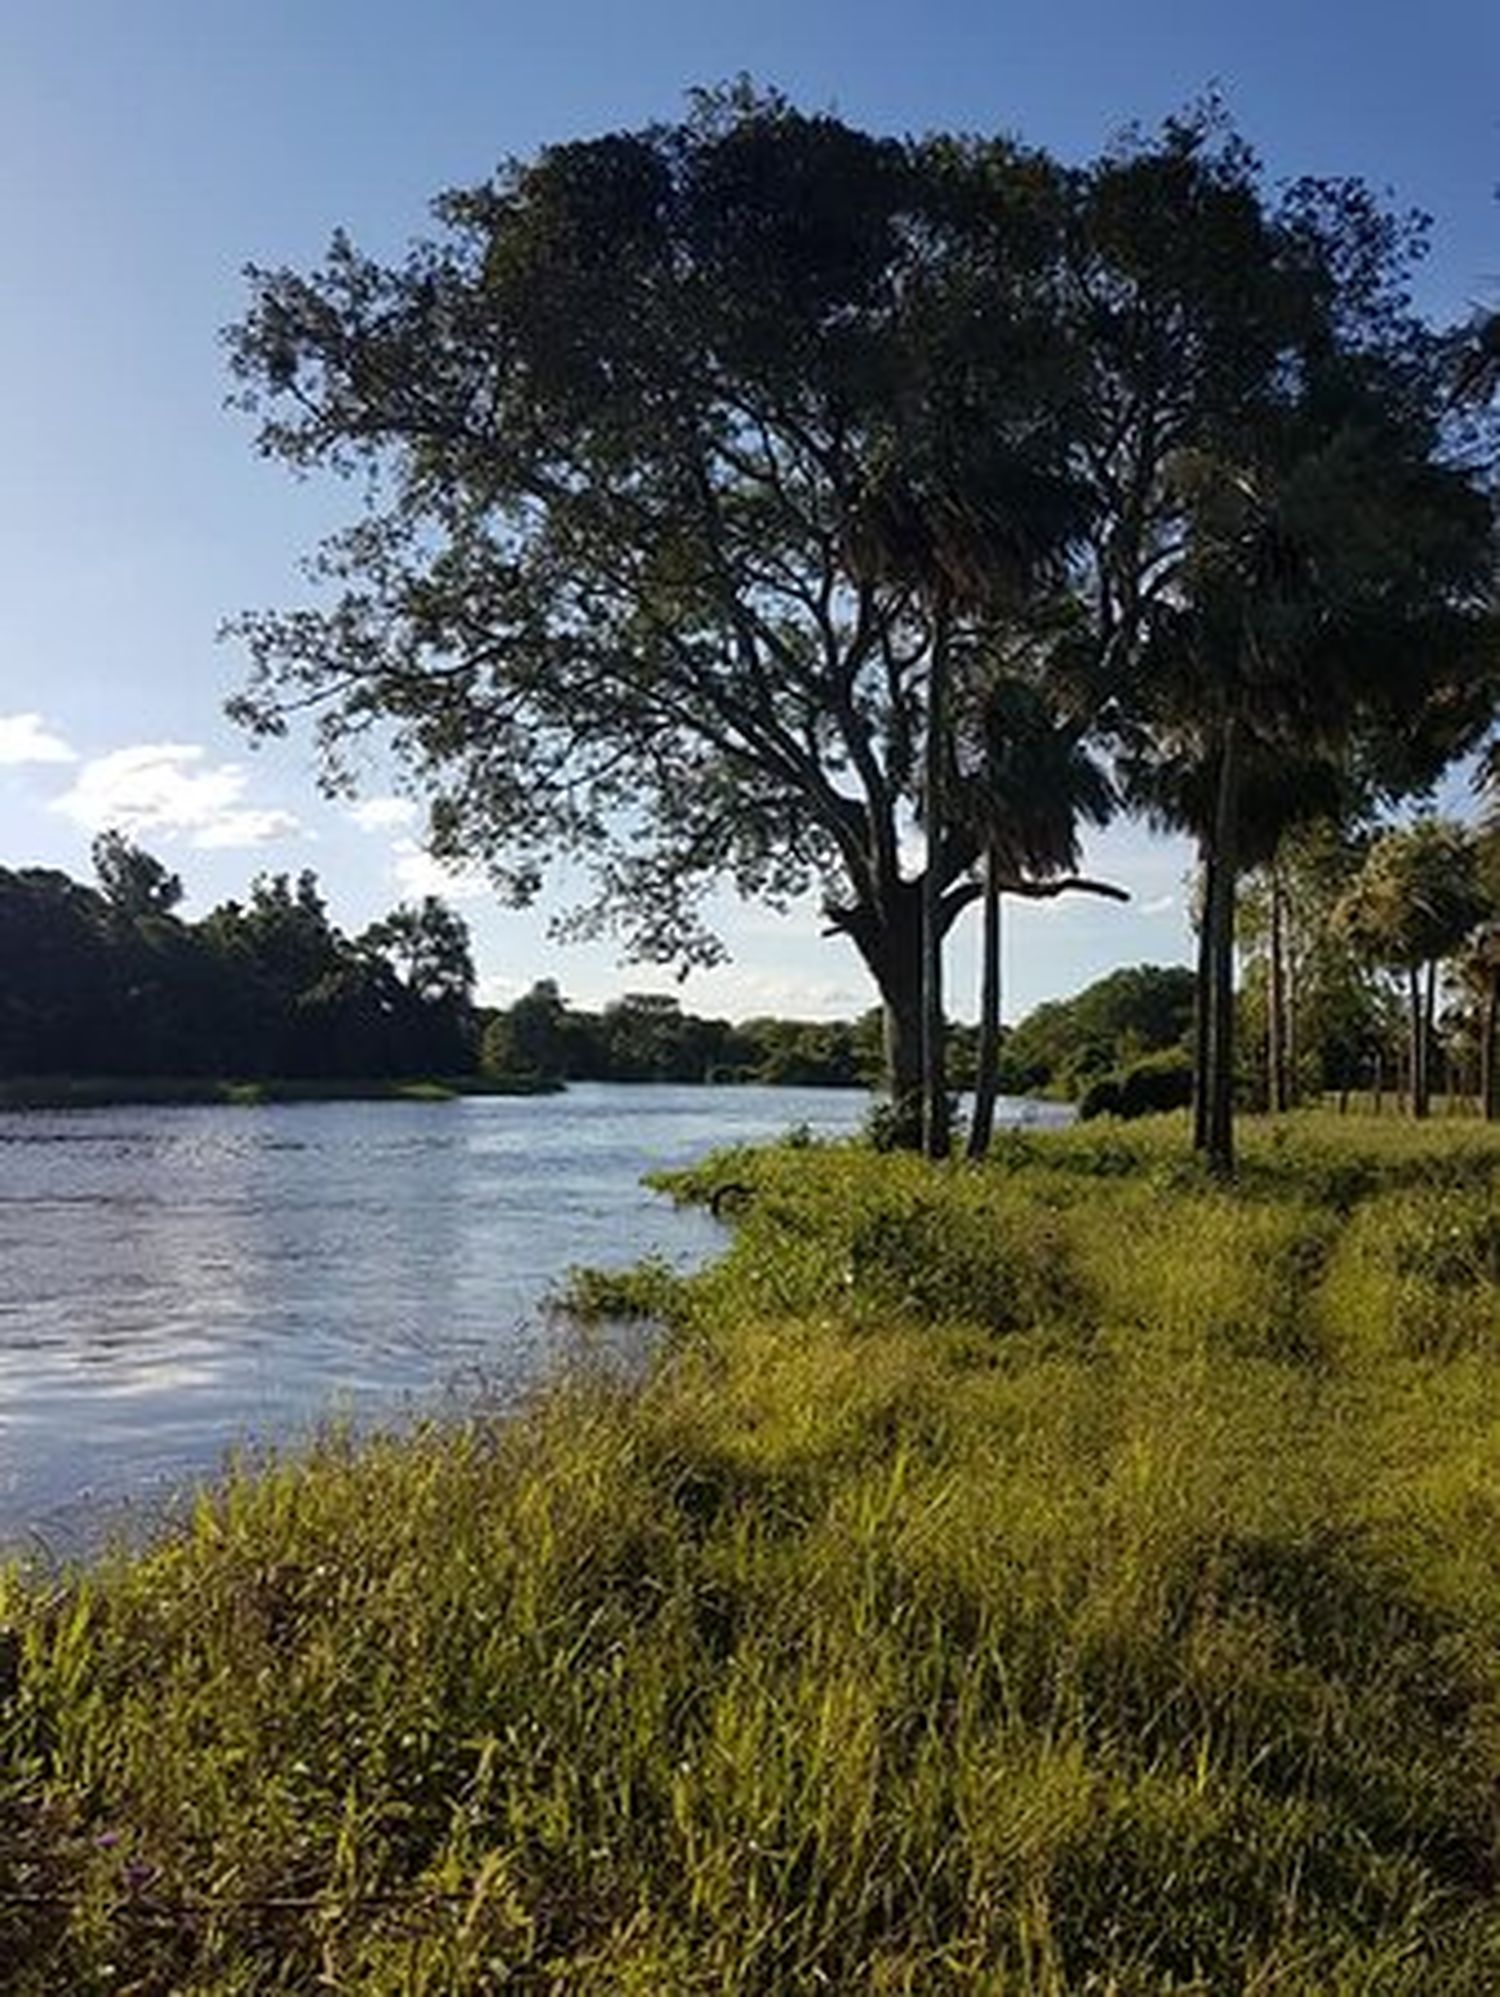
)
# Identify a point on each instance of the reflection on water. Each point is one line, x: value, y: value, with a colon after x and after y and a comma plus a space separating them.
x: 177, y: 1280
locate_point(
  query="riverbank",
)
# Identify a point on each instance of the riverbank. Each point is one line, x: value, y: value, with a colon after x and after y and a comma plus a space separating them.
x: 122, y: 1091
x: 1065, y: 1575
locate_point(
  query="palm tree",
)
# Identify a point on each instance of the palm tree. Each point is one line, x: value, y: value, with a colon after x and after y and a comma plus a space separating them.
x: 1479, y: 971
x: 1482, y: 962
x: 1330, y: 596
x: 1035, y: 784
x: 975, y: 525
x: 1418, y: 897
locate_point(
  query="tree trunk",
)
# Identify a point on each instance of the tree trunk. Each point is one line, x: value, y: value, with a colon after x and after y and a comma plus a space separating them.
x: 1201, y: 1002
x: 935, y: 1133
x: 889, y: 939
x: 1291, y: 960
x: 889, y: 936
x: 1218, y: 922
x: 1430, y: 1050
x: 982, y: 1127
x: 1416, y: 1052
x: 1276, y: 1002
x: 896, y: 965
x: 1489, y: 1050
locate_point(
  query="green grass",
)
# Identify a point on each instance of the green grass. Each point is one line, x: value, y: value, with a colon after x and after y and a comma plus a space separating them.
x: 1068, y: 1576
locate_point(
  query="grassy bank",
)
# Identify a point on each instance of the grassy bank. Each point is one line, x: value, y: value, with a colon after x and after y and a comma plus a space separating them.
x: 1062, y: 1577
x: 105, y: 1091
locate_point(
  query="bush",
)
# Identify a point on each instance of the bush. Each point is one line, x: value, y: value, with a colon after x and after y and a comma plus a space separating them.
x: 1143, y: 1088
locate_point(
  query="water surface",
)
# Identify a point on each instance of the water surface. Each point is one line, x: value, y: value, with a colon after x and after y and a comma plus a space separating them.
x: 178, y: 1281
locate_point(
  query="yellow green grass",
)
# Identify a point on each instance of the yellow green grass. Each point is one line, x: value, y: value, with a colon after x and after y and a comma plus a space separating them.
x: 1059, y: 1577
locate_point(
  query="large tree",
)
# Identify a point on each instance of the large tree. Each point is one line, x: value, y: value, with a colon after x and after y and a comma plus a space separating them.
x: 688, y: 449
x: 693, y: 456
x: 1286, y: 569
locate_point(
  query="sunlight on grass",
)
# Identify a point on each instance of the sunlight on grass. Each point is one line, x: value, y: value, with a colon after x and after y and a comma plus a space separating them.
x: 1061, y: 1576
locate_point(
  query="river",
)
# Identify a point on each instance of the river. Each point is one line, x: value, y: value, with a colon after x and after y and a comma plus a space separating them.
x: 177, y: 1282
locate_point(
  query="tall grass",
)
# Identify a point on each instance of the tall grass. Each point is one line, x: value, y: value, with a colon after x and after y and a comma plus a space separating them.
x: 1062, y: 1577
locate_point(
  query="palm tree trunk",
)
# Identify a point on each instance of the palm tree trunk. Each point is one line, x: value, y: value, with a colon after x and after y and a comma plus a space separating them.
x: 1430, y: 1048
x: 1489, y: 1049
x: 1416, y: 1053
x: 985, y: 1081
x: 935, y: 1133
x: 1219, y: 924
x: 1202, y: 1001
x: 1276, y: 1000
x: 1291, y: 995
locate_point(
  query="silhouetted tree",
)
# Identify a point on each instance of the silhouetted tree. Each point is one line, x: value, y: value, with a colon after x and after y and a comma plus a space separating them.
x: 638, y: 415
x: 131, y: 880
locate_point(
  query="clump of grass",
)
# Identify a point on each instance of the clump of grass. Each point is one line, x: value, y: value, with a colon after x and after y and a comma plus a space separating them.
x: 1419, y: 1272
x: 842, y: 1229
x: 648, y: 1290
x: 891, y: 1634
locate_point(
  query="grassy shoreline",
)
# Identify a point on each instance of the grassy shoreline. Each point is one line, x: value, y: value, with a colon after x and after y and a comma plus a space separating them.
x: 1065, y: 1576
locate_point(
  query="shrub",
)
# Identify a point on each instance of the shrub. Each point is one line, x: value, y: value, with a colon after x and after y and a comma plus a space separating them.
x: 1142, y: 1088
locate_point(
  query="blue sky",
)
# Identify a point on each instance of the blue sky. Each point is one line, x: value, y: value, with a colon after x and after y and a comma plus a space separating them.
x: 148, y: 150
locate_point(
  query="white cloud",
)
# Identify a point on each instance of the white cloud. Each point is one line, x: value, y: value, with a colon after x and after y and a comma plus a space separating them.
x: 383, y: 814
x: 167, y: 787
x: 250, y: 827
x: 741, y: 993
x: 24, y: 738
x: 417, y: 873
x: 1162, y: 905
x: 498, y: 990
x: 787, y: 994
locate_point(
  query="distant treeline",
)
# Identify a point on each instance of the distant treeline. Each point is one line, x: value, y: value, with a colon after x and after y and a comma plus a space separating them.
x: 1066, y: 1047
x: 109, y: 980
x: 648, y: 1037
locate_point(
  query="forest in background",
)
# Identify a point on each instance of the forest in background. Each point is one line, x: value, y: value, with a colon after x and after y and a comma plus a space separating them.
x: 108, y: 979
x: 1341, y: 936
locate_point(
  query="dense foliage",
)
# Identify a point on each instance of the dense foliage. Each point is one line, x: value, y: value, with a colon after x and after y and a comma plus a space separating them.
x: 1064, y: 1044
x: 748, y: 495
x: 648, y: 1037
x: 1060, y: 1576
x: 109, y: 980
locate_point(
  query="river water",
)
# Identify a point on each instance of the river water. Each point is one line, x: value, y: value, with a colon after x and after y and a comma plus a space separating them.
x: 177, y: 1282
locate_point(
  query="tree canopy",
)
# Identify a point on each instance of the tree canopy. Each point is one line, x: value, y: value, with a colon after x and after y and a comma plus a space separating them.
x: 680, y: 436
x: 697, y: 460
x: 111, y: 981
